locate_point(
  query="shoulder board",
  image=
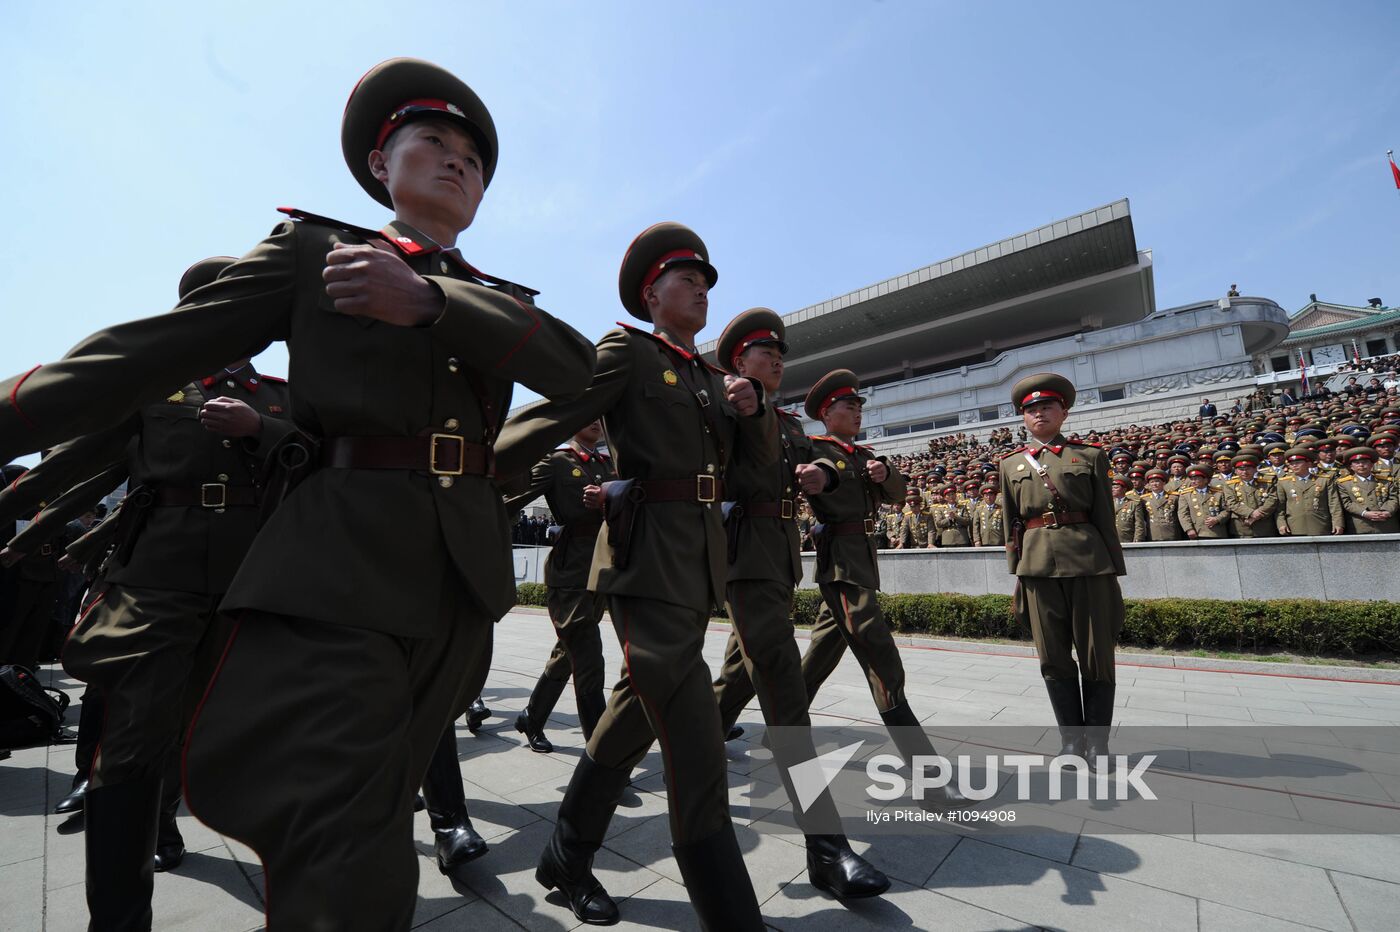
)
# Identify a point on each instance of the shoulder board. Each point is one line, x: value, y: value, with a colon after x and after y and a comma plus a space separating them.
x: 491, y: 279
x: 787, y: 414
x: 1015, y: 451
x: 272, y: 378
x: 1083, y: 443
x: 1347, y: 479
x: 363, y: 232
x: 1235, y: 481
x: 663, y: 342
x: 1288, y: 478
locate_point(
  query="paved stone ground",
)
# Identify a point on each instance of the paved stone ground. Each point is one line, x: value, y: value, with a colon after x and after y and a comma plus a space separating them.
x: 1085, y: 877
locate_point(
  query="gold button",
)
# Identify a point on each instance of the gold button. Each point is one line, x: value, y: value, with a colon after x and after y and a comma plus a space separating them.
x: 451, y: 423
x: 453, y: 364
x: 445, y: 481
x: 227, y: 443
x: 223, y: 477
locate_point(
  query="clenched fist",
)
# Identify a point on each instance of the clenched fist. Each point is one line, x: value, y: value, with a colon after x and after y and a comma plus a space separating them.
x: 741, y: 395
x: 877, y: 471
x: 810, y: 479
x: 372, y: 281
x: 230, y: 417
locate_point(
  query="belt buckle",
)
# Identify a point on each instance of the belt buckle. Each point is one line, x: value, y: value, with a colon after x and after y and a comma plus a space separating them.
x: 433, y: 442
x: 785, y: 509
x: 46, y: 550
x: 204, y: 500
x: 1049, y: 519
x: 869, y: 525
x: 701, y: 494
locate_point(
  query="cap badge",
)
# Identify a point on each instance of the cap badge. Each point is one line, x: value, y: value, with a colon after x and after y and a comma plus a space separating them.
x: 669, y: 377
x: 454, y: 109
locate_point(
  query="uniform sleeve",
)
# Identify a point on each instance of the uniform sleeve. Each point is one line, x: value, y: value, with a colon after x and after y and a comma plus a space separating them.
x: 1139, y: 523
x: 1101, y: 513
x: 1334, y: 505
x: 109, y: 375
x: 82, y: 497
x: 541, y: 427
x: 504, y: 337
x: 977, y: 525
x: 66, y: 465
x: 541, y: 478
x: 1268, y: 499
x: 95, y: 542
x: 1235, y: 503
x: 894, y: 486
x: 1281, y: 516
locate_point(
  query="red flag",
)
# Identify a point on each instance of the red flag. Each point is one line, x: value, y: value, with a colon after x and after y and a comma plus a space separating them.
x: 1303, y: 369
x: 1394, y: 169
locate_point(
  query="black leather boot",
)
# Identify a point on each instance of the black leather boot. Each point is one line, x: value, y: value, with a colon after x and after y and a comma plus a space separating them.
x: 734, y: 733
x: 476, y: 714
x: 911, y: 740
x: 1069, y: 714
x: 73, y: 802
x: 454, y: 838
x: 120, y: 838
x: 718, y: 883
x: 1098, y: 716
x: 90, y: 717
x: 530, y: 723
x: 832, y: 866
x: 590, y: 709
x: 170, y: 844
x: 567, y: 861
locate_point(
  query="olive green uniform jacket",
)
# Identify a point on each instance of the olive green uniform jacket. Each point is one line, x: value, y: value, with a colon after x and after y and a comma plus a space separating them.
x: 1308, y: 507
x: 988, y: 525
x: 1360, y: 495
x: 1131, y: 520
x: 1080, y: 473
x: 655, y: 430
x: 370, y: 548
x: 954, y: 525
x: 1195, y: 506
x: 855, y: 498
x: 561, y: 478
x: 1243, y: 499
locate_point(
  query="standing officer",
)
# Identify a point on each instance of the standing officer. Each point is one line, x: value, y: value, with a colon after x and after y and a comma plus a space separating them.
x: 1201, y: 508
x: 1250, y: 499
x: 1064, y: 551
x: 916, y: 528
x: 1162, y: 523
x: 764, y: 568
x: 672, y: 423
x: 988, y: 526
x: 953, y: 520
x: 848, y: 574
x: 384, y: 569
x: 1370, y: 503
x: 1308, y: 504
x: 1129, y: 515
x: 563, y: 478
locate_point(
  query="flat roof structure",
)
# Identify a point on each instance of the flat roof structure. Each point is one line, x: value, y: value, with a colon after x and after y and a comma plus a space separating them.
x: 1081, y: 273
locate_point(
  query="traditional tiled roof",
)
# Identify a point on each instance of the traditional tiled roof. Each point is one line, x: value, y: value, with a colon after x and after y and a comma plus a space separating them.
x: 1381, y: 320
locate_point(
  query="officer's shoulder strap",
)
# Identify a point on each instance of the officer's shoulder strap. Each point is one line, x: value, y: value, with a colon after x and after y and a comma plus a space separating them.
x: 1234, y: 481
x: 272, y: 378
x: 1347, y: 479
x: 307, y: 217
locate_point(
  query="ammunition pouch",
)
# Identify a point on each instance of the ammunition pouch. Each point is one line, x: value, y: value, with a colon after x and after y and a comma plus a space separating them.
x: 733, y: 521
x: 286, y: 465
x: 132, y: 518
x: 621, y: 501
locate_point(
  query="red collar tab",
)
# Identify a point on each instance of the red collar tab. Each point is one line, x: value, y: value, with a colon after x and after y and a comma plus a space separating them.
x: 848, y: 447
x: 758, y: 336
x: 1042, y: 394
x: 409, y: 108
x: 247, y: 377
x: 1054, y: 448
x: 684, y: 353
x: 845, y: 391
x: 408, y: 240
x: 660, y: 265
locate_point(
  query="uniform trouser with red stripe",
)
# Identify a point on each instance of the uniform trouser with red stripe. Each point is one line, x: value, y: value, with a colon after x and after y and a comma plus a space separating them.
x: 664, y: 695
x: 309, y: 747
x: 856, y: 621
x: 575, y: 614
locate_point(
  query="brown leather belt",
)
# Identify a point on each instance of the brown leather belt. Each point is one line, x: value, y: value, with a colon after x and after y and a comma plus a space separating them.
x: 784, y: 509
x: 702, y: 488
x: 1057, y: 519
x: 208, y: 495
x: 439, y: 454
x: 852, y: 527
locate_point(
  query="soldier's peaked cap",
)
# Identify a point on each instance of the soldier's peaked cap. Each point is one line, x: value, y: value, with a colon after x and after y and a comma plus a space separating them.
x: 758, y: 326
x: 1040, y: 387
x: 831, y: 388
x: 203, y: 272
x: 656, y: 249
x: 396, y: 92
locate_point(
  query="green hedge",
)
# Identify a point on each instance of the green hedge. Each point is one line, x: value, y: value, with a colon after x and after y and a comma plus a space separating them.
x: 1302, y: 626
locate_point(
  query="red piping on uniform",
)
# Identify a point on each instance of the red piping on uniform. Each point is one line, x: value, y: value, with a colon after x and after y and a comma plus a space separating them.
x: 14, y: 399
x: 534, y: 325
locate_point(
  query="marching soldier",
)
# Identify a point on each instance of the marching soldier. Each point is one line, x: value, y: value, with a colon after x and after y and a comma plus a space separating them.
x: 848, y: 574
x: 1371, y: 504
x: 564, y: 478
x: 1129, y: 515
x: 1162, y: 523
x: 952, y: 520
x: 1308, y: 504
x: 764, y: 568
x: 673, y: 423
x: 1201, y: 508
x: 385, y: 568
x: 916, y: 530
x: 1064, y: 551
x: 988, y: 527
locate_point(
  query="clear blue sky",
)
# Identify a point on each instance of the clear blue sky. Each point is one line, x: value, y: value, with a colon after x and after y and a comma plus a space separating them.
x: 818, y: 146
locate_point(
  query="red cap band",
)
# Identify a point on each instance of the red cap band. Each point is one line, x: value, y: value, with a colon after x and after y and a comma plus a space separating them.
x: 395, y: 119
x: 654, y: 273
x: 1042, y: 394
x: 845, y: 391
x: 758, y: 336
